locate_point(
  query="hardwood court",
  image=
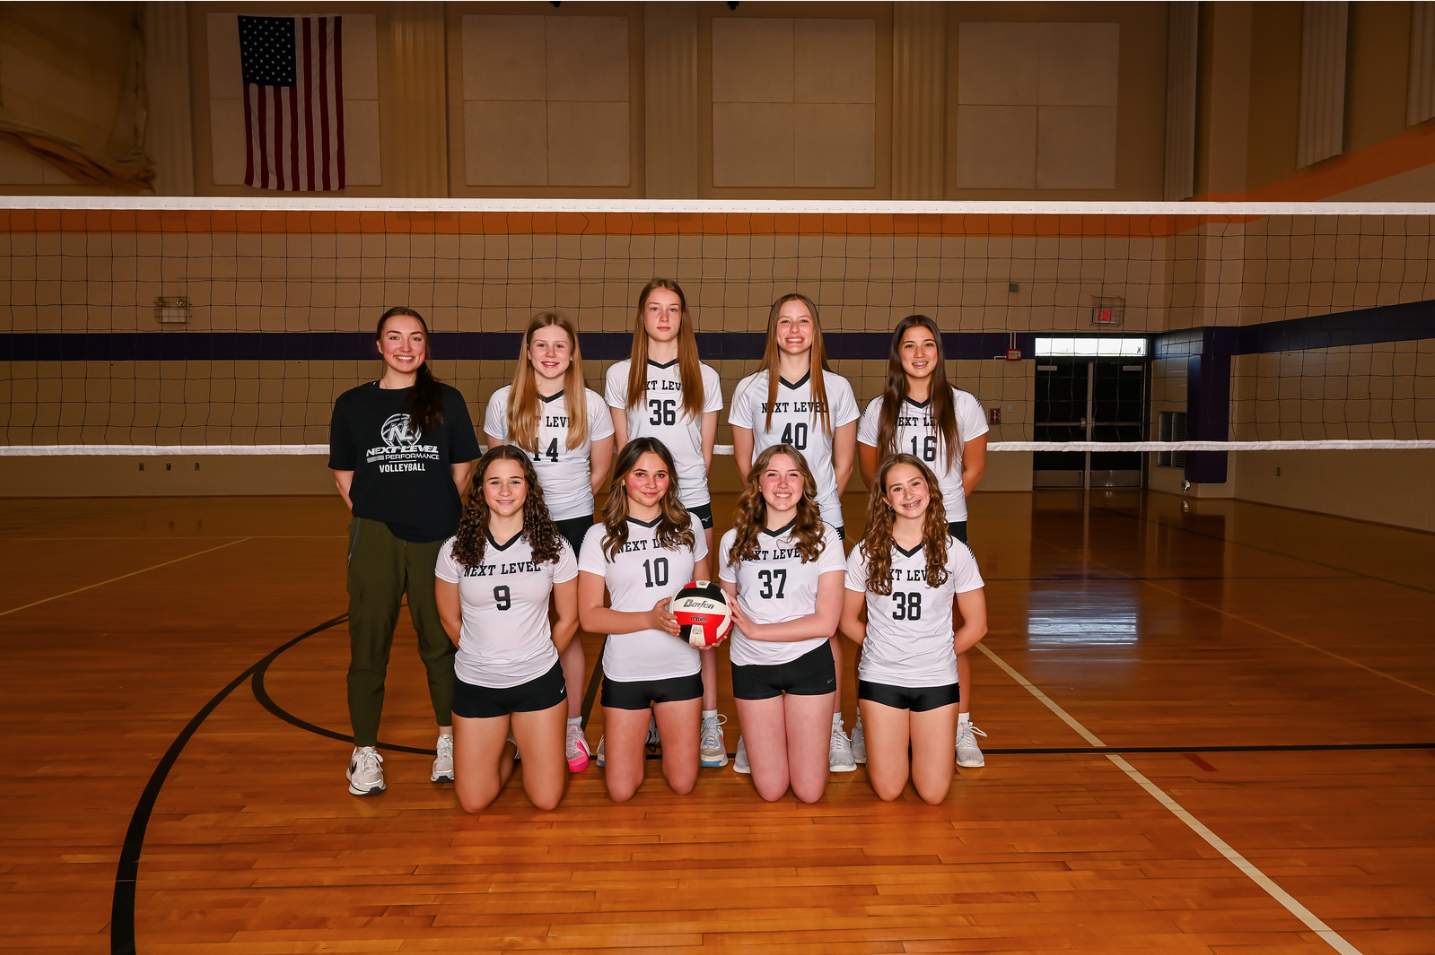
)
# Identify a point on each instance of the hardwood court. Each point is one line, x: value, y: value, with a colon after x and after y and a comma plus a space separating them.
x: 1278, y: 661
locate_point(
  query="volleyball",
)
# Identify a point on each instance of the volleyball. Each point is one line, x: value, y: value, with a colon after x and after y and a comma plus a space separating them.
x: 702, y: 612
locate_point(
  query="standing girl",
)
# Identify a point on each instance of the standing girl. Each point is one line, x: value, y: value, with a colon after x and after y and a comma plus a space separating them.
x: 919, y: 413
x: 496, y: 577
x: 906, y: 572
x: 782, y: 567
x: 646, y: 549
x: 401, y: 449
x: 794, y: 399
x: 550, y: 413
x: 663, y: 391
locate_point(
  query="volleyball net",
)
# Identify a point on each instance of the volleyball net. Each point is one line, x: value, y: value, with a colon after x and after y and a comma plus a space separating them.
x: 227, y: 326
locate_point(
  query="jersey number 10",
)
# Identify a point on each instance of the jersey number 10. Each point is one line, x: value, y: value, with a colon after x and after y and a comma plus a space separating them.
x: 656, y: 572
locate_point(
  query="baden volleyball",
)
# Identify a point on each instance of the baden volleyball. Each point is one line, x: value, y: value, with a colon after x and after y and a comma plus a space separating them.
x: 702, y: 612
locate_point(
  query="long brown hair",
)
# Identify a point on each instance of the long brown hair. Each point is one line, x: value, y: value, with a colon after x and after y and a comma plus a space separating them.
x: 424, y: 404
x: 942, y: 407
x: 538, y: 528
x: 689, y: 367
x: 817, y: 359
x: 750, y: 519
x: 877, y: 543
x: 523, y: 405
x: 674, y: 523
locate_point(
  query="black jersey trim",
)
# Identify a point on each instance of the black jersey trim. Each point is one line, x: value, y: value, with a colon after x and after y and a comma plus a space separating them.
x: 794, y: 384
x: 781, y: 530
x: 664, y: 365
x: 506, y: 544
x: 652, y: 523
x: 553, y: 397
x: 918, y: 404
x: 905, y: 553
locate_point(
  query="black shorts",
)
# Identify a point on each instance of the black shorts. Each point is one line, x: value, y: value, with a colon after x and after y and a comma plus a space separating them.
x: 486, y: 702
x: 811, y: 674
x: 958, y: 529
x: 916, y: 698
x: 704, y: 513
x: 638, y: 695
x: 574, y: 529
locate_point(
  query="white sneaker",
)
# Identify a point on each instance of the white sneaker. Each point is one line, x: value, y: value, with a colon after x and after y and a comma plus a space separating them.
x: 599, y: 754
x: 740, y: 764
x: 839, y: 752
x: 516, y: 757
x: 443, y: 762
x: 859, y: 743
x: 366, y: 772
x: 576, y: 749
x: 969, y: 756
x: 712, y: 750
x: 653, y: 741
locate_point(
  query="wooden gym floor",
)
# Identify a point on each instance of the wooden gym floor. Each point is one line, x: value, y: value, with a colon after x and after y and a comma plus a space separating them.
x: 1261, y: 679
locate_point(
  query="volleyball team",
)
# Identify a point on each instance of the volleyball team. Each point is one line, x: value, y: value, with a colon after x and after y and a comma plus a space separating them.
x: 499, y: 583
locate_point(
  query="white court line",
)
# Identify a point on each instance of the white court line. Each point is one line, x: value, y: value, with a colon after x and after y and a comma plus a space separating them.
x: 132, y: 573
x: 1330, y: 935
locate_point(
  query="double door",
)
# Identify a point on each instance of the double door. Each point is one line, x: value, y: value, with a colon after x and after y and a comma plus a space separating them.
x: 1083, y: 399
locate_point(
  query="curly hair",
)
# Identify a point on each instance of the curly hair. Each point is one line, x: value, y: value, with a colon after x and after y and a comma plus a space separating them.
x: 538, y: 527
x: 674, y: 523
x: 877, y: 543
x: 751, y: 516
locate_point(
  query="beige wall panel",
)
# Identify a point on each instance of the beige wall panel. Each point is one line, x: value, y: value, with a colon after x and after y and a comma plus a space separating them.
x: 1389, y: 487
x: 588, y: 59
x: 503, y: 58
x: 588, y: 144
x: 18, y: 167
x: 505, y: 143
x: 361, y: 58
x: 362, y: 139
x: 226, y: 129
x: 226, y: 76
x: 752, y: 144
x: 752, y: 61
x: 835, y: 61
x: 1078, y: 64
x: 996, y: 147
x: 998, y: 64
x: 833, y: 145
x: 1076, y: 147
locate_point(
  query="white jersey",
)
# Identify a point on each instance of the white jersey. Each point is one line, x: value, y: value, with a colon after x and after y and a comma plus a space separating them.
x: 777, y: 587
x: 640, y: 575
x: 506, y: 638
x: 909, y: 632
x: 795, y: 421
x: 662, y: 417
x: 564, y: 473
x: 917, y: 436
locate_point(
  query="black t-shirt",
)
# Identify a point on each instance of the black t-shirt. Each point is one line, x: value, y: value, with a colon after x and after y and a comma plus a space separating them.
x: 401, y: 477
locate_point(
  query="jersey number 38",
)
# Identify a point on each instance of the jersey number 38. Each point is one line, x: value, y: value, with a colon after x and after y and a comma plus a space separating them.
x: 908, y: 607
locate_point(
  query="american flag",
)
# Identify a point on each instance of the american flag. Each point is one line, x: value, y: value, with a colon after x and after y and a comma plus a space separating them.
x: 293, y: 102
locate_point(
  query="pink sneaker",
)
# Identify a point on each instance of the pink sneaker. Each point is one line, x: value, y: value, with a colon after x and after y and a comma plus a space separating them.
x: 577, y: 749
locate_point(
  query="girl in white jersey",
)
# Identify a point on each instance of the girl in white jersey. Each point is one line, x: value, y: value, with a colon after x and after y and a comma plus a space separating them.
x: 906, y: 573
x: 795, y: 399
x: 646, y: 549
x: 919, y: 413
x: 551, y: 414
x: 663, y: 391
x: 782, y: 567
x: 495, y: 580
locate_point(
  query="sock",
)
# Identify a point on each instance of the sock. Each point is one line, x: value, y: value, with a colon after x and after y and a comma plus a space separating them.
x: 709, y: 715
x: 963, y: 718
x: 575, y: 721
x: 837, y: 720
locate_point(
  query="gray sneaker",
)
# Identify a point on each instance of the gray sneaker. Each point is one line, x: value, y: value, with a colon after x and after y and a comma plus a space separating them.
x: 839, y: 753
x: 969, y: 756
x: 443, y: 762
x: 740, y: 764
x: 366, y: 772
x: 712, y: 750
x: 859, y: 743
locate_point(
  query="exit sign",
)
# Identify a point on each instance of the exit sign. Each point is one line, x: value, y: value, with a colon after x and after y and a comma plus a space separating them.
x: 1107, y: 311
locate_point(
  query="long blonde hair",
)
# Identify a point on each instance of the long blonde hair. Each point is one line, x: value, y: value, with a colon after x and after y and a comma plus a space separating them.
x: 817, y: 359
x: 524, y: 409
x: 689, y: 367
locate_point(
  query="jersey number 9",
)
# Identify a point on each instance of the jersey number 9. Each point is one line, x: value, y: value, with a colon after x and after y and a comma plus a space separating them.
x: 503, y: 597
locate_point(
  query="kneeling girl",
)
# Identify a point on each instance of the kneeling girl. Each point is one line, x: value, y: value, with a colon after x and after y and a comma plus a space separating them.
x: 782, y: 568
x: 906, y: 572
x: 494, y: 581
x: 646, y: 549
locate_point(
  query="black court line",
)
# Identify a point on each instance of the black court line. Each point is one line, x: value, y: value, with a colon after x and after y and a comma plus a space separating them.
x: 122, y: 908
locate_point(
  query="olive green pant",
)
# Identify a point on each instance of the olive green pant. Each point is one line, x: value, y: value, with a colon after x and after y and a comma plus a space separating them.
x: 381, y: 569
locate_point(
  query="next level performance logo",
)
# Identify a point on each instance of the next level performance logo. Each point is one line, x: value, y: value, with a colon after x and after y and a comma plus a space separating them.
x: 401, y: 450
